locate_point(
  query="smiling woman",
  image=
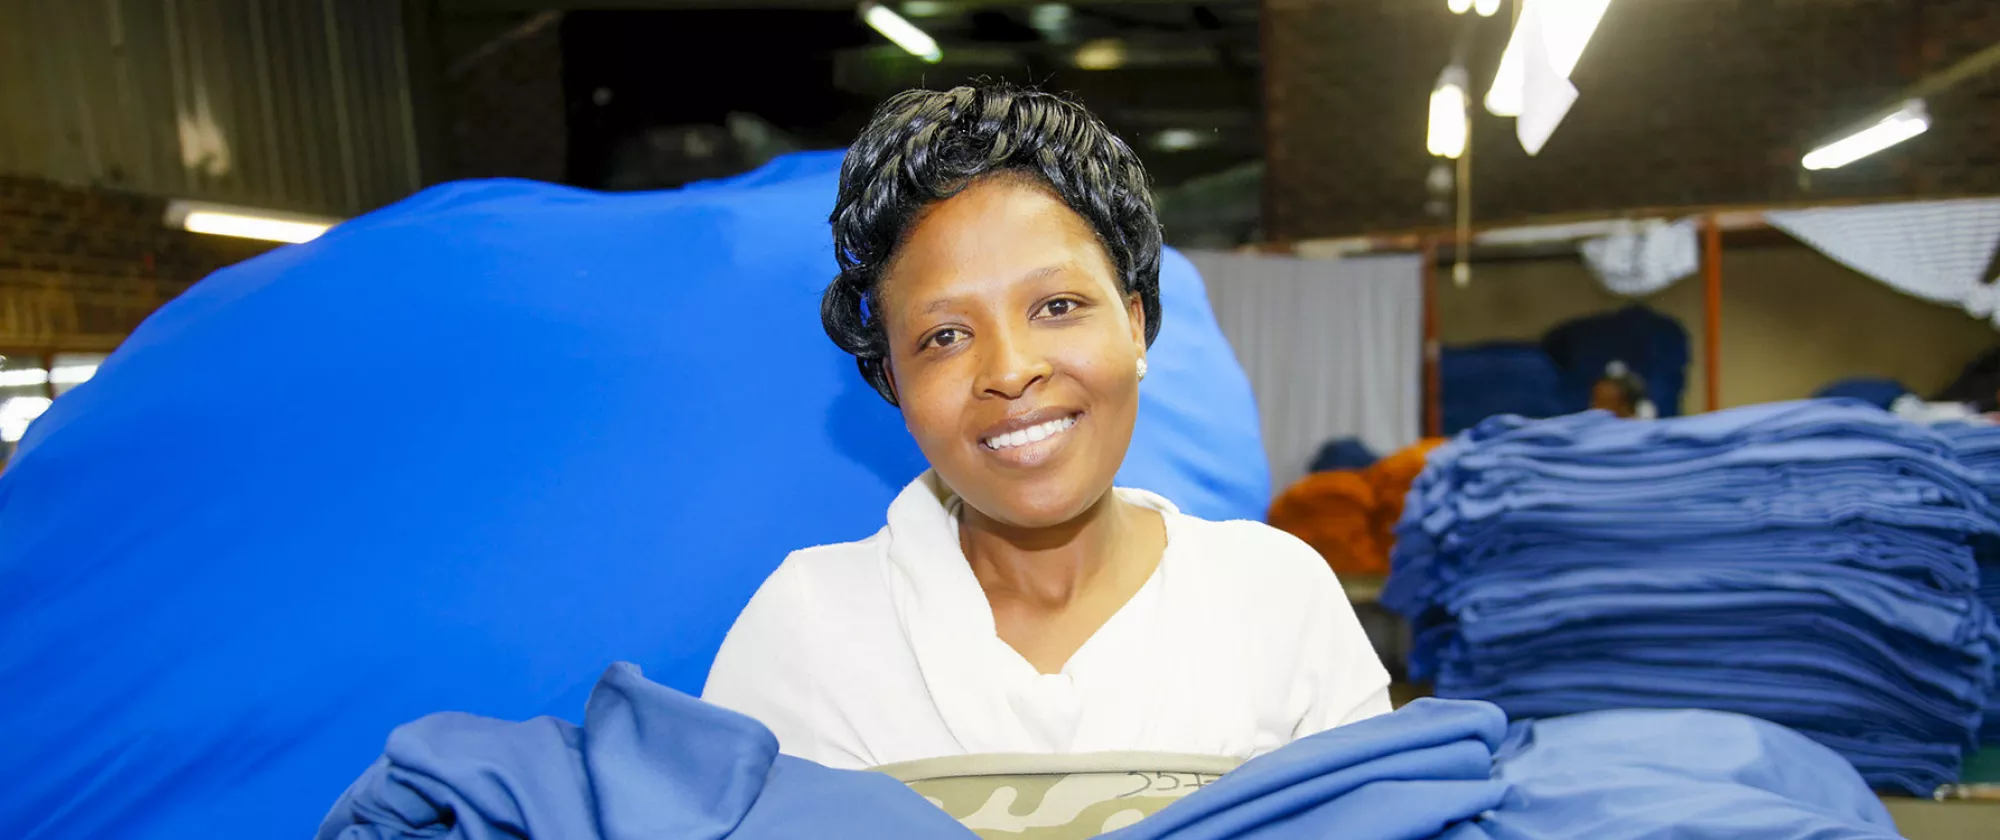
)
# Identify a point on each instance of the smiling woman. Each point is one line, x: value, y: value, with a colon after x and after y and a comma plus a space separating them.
x: 999, y: 283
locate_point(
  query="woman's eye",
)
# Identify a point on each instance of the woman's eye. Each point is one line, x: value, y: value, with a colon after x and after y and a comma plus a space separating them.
x: 944, y: 338
x: 1059, y: 307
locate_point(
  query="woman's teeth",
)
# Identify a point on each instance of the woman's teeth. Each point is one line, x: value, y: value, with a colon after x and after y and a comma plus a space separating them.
x: 1032, y: 434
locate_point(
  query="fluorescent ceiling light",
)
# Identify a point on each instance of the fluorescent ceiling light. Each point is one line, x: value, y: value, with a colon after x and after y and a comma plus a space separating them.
x: 1179, y: 140
x: 1448, y: 129
x: 1566, y: 29
x: 245, y: 222
x: 1101, y: 54
x: 904, y: 33
x: 1487, y: 7
x: 16, y: 413
x: 1908, y: 121
x: 1049, y: 17
x: 63, y: 375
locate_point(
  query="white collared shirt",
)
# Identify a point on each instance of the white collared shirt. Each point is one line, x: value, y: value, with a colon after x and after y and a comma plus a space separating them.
x: 882, y: 651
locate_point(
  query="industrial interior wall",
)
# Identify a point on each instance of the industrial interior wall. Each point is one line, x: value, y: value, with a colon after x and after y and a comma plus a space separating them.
x: 80, y: 267
x: 1682, y: 103
x: 1792, y: 321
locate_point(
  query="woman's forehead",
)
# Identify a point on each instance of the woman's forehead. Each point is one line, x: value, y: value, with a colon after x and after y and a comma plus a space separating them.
x: 992, y: 236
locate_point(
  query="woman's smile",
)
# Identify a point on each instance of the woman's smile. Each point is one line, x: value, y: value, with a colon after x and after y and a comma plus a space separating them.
x: 1031, y: 439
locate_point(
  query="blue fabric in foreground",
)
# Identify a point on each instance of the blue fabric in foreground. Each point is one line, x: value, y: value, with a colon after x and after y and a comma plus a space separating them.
x: 460, y: 454
x: 1654, y: 775
x: 652, y: 763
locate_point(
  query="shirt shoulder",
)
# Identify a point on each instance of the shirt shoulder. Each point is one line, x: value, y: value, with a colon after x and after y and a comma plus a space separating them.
x: 831, y: 575
x: 1257, y: 553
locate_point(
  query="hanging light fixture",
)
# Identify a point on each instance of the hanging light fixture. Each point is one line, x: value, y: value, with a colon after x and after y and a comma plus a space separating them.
x: 1458, y: 7
x: 1566, y: 29
x: 1487, y: 8
x: 904, y: 33
x: 1908, y: 121
x: 1449, y: 121
x: 245, y: 222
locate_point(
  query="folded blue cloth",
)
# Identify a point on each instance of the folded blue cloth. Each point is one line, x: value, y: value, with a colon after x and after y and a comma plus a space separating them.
x: 651, y: 763
x: 1814, y: 563
x: 1414, y: 773
x: 1654, y: 775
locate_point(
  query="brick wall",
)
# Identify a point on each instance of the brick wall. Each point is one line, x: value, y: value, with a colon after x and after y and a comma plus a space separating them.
x: 1683, y: 102
x: 80, y: 268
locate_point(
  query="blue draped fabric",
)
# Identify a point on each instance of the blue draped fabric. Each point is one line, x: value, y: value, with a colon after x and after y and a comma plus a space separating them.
x: 460, y: 454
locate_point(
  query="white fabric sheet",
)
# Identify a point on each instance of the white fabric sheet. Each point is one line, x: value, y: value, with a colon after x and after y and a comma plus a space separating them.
x: 1333, y: 348
x: 1943, y: 251
x: 884, y: 651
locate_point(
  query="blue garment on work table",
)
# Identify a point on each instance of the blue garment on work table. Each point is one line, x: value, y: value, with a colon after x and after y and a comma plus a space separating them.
x: 1812, y: 563
x: 1639, y: 775
x: 460, y: 453
x: 650, y: 762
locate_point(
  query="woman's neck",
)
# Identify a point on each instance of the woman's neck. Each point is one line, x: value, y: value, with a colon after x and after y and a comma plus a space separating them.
x: 1053, y: 567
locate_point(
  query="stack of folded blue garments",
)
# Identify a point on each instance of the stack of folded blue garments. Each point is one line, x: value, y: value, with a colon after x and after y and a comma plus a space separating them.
x: 1809, y: 563
x: 1978, y: 447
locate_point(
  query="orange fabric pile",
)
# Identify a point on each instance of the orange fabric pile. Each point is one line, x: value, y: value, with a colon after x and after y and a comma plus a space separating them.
x: 1349, y: 516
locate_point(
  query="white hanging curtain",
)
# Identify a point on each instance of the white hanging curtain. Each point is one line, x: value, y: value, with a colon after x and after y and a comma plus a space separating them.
x: 1942, y: 251
x: 1332, y: 348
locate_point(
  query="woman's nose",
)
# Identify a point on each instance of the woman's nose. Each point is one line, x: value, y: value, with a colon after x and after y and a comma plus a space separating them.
x: 1009, y: 366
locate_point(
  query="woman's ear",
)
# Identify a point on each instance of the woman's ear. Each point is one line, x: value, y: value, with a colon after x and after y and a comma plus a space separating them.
x: 1136, y: 307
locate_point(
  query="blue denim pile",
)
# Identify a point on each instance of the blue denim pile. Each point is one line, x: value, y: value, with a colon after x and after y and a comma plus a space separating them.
x: 1978, y: 449
x: 1810, y: 563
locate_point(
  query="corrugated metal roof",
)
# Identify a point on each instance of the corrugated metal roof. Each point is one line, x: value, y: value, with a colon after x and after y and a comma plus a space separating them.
x: 289, y: 104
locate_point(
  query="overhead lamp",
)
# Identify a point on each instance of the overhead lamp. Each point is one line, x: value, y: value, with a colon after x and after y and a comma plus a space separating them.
x: 1566, y: 29
x: 1908, y: 121
x: 904, y: 33
x: 1449, y: 126
x: 245, y: 222
x: 17, y: 413
x: 1179, y: 140
x: 1487, y: 8
x: 62, y: 375
x: 1459, y: 7
x: 1101, y: 54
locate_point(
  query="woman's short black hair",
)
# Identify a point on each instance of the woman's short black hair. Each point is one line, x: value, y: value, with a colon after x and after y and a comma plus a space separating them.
x: 925, y: 146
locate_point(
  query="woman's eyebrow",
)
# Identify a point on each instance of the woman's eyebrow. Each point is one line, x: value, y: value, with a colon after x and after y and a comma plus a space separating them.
x: 1045, y: 272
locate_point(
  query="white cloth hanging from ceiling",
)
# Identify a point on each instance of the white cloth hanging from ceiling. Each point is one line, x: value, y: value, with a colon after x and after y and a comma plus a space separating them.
x: 1643, y: 257
x: 1333, y: 348
x: 1942, y: 251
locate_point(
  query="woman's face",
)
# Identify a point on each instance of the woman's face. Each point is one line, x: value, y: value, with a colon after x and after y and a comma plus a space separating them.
x: 1013, y: 352
x: 1610, y: 396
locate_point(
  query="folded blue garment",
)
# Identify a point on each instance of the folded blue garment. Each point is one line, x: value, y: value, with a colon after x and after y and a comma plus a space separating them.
x: 1812, y: 563
x: 1646, y: 775
x: 649, y: 762
x: 1413, y: 773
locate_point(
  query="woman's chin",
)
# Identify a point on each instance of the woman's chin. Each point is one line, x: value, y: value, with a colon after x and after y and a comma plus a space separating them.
x: 1040, y: 502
